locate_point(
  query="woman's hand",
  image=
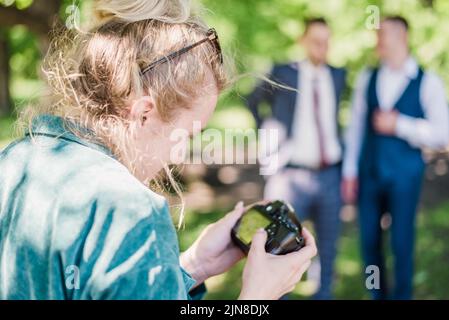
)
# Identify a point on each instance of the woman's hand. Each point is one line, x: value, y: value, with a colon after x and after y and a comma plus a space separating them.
x: 213, y: 252
x: 269, y: 277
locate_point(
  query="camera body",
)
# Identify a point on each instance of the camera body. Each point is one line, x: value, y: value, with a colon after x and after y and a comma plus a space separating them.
x: 278, y: 219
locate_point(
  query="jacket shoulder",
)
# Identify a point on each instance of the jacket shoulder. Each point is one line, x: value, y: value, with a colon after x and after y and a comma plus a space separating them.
x: 292, y: 66
x: 339, y: 71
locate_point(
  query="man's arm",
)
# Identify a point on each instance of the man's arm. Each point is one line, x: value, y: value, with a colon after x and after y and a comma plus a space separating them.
x: 433, y: 131
x: 355, y: 132
x: 354, y: 139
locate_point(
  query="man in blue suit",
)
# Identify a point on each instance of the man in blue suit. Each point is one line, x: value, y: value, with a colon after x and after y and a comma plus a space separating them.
x: 304, y: 107
x: 398, y: 108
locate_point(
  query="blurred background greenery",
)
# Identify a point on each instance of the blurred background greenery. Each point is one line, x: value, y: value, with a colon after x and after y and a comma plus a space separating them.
x: 256, y: 34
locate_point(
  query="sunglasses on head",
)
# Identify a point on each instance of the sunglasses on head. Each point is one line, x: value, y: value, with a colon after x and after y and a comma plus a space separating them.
x: 211, y: 36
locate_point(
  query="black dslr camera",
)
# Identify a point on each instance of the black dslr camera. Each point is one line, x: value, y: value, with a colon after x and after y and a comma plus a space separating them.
x: 280, y: 222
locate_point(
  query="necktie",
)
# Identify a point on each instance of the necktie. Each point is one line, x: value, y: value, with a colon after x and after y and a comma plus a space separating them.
x: 316, y: 109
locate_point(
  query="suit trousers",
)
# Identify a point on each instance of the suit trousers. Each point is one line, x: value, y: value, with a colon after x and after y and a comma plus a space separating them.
x: 398, y: 196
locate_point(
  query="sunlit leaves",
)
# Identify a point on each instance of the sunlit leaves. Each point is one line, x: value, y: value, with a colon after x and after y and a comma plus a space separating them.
x: 20, y: 4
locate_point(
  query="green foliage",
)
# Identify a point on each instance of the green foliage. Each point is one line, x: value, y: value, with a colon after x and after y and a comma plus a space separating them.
x: 258, y: 33
x: 24, y: 46
x: 7, y: 128
x: 25, y: 53
x: 20, y: 4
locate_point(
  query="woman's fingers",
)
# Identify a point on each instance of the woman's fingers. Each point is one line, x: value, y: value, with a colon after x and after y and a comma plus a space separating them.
x: 232, y: 217
x: 298, y: 258
x: 239, y: 205
x: 308, y: 237
x: 235, y: 253
x: 302, y: 270
x: 296, y: 276
x: 258, y: 242
x: 288, y: 290
x: 298, y: 269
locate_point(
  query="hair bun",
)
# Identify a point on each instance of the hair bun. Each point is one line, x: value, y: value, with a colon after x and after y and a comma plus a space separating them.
x: 171, y: 11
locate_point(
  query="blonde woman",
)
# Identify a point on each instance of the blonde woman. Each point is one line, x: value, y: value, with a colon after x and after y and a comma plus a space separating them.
x: 77, y: 219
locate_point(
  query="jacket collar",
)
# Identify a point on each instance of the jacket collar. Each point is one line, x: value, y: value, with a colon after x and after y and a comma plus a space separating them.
x: 57, y: 127
x: 296, y: 64
x: 410, y: 68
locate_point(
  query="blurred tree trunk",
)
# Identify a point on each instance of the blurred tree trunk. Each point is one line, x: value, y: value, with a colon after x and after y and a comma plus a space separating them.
x: 5, y: 98
x: 39, y: 19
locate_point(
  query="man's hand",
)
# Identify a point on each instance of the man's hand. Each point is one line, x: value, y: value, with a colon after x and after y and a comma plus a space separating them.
x: 213, y: 252
x: 384, y: 122
x: 349, y: 190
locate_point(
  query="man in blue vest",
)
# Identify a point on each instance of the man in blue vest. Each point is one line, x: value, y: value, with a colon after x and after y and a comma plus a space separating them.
x: 397, y: 109
x: 304, y: 107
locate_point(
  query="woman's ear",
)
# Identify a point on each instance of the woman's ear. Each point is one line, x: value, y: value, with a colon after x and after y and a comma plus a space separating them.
x: 141, y: 109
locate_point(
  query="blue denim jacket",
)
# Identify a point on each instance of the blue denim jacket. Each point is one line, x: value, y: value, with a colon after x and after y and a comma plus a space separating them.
x: 75, y: 224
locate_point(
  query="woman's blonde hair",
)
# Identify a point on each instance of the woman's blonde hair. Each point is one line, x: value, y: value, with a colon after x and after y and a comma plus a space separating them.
x: 94, y: 74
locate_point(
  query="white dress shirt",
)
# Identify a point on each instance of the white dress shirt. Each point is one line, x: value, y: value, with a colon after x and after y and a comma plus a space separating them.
x: 431, y: 132
x: 305, y: 140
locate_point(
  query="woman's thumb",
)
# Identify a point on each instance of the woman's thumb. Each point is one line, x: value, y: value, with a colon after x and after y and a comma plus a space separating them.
x: 259, y: 240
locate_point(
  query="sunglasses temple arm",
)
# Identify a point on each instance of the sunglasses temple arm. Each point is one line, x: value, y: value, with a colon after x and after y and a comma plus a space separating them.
x: 173, y: 55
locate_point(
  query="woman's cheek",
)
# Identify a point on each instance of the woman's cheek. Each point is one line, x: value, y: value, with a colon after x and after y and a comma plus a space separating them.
x: 177, y: 148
